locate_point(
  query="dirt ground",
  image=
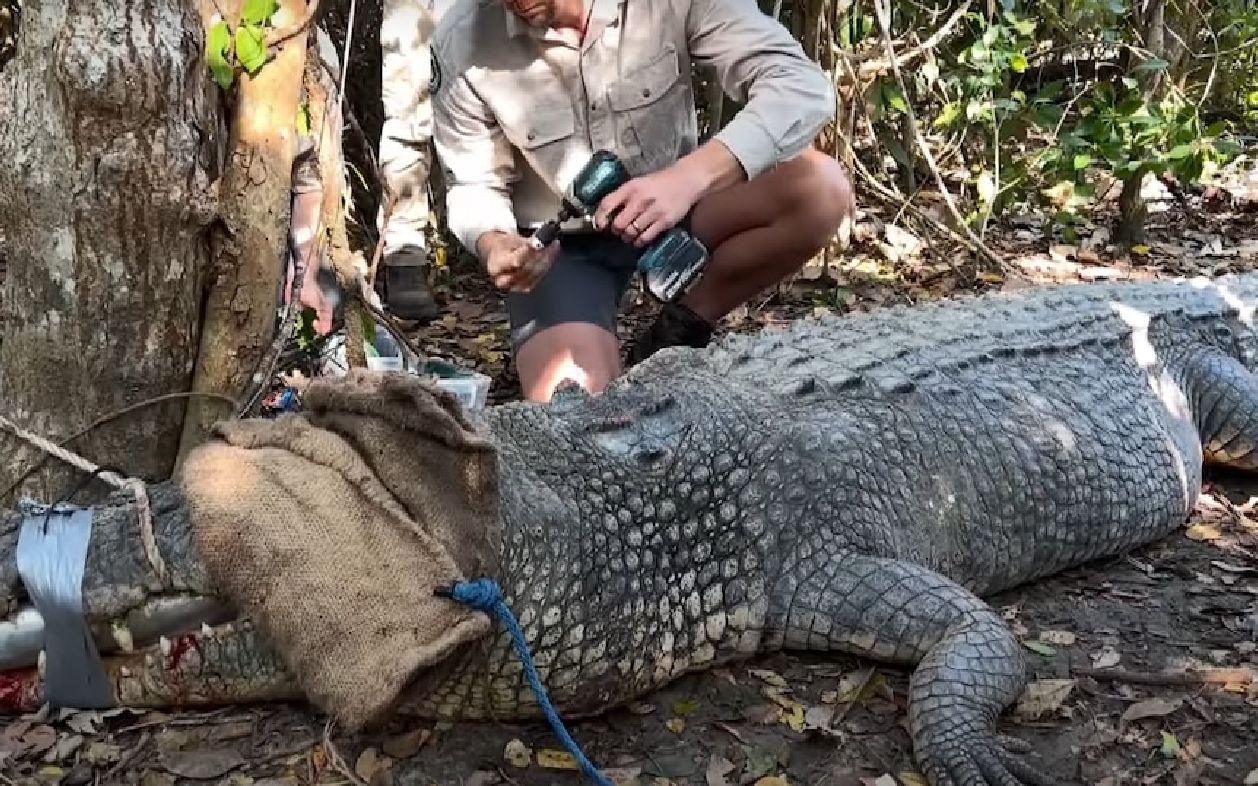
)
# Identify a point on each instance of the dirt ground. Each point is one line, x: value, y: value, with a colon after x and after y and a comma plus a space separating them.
x: 1099, y: 640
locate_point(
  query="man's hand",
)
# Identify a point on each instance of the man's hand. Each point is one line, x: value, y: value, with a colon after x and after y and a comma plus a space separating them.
x: 654, y: 203
x: 649, y: 205
x: 512, y: 263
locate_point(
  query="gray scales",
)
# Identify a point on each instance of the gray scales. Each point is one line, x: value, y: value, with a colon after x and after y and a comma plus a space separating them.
x: 852, y: 484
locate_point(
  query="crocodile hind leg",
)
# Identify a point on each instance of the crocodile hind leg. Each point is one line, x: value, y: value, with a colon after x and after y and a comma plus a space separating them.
x: 969, y: 667
x: 1225, y: 405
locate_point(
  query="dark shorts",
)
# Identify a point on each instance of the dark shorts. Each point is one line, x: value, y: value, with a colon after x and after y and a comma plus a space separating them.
x: 585, y: 284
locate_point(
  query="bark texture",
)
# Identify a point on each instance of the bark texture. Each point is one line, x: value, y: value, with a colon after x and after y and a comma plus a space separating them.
x: 254, y: 203
x: 109, y: 140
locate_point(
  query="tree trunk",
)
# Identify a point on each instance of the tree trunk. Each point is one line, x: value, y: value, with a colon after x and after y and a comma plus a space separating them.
x: 255, y: 204
x: 110, y: 135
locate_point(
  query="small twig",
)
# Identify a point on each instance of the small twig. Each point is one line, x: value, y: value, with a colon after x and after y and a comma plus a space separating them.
x: 1178, y: 679
x: 193, y: 720
x: 126, y: 758
x: 389, y: 201
x: 871, y: 68
x: 278, y: 37
x: 390, y: 324
x: 977, y: 245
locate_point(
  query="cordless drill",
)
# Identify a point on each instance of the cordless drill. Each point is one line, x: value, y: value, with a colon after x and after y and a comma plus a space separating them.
x: 669, y: 266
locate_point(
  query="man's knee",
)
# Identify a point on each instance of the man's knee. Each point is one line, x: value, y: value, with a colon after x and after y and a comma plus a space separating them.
x: 818, y: 195
x: 579, y: 352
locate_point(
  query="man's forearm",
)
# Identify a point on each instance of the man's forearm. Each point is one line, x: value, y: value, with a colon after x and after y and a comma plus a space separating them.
x: 712, y: 166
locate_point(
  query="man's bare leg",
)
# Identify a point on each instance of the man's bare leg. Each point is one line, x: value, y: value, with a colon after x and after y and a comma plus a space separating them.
x: 577, y: 351
x: 758, y: 232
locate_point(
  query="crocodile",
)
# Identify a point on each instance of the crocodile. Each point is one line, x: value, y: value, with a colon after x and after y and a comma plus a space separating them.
x: 850, y: 484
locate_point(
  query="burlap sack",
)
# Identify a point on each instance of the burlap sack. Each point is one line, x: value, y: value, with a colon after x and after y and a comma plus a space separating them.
x: 336, y: 567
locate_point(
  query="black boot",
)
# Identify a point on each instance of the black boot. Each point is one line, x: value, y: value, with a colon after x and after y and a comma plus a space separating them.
x: 675, y: 326
x: 407, y: 295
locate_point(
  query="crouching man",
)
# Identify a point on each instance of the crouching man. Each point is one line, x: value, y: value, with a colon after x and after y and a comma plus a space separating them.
x: 526, y: 90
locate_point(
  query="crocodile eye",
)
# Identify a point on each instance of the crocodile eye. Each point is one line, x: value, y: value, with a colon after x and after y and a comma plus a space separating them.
x: 649, y: 456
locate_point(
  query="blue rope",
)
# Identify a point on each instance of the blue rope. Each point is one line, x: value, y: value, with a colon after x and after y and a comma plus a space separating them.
x: 483, y: 595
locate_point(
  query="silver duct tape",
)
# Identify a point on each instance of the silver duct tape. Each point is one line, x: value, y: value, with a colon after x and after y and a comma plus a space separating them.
x: 51, y: 554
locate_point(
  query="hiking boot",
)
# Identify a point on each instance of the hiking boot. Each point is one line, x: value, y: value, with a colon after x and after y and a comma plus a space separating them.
x: 407, y: 295
x: 675, y: 326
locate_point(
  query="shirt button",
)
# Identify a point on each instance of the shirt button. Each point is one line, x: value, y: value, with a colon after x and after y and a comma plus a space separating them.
x: 531, y: 136
x: 646, y: 92
x: 593, y: 105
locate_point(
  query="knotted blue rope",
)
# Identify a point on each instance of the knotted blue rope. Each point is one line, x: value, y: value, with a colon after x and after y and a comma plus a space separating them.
x: 484, y: 595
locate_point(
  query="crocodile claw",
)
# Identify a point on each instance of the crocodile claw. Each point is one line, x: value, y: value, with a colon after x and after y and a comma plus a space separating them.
x: 978, y: 760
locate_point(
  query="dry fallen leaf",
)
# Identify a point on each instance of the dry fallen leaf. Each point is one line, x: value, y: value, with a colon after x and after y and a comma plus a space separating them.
x: 64, y: 748
x: 371, y: 765
x: 881, y: 780
x: 1151, y: 708
x: 718, y: 768
x: 1063, y: 638
x: 675, y: 725
x: 1203, y: 532
x: 24, y: 739
x: 763, y: 714
x: 1252, y: 778
x: 773, y: 780
x: 1043, y: 697
x: 517, y: 754
x: 623, y: 776
x: 155, y: 778
x: 200, y: 764
x: 1040, y: 648
x: 1107, y: 658
x: 551, y: 759
x: 912, y: 778
x: 404, y: 746
x: 769, y: 677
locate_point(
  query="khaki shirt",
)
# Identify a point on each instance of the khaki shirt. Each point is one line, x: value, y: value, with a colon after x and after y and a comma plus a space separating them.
x: 518, y: 111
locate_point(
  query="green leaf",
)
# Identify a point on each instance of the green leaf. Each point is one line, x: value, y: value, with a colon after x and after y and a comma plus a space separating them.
x: 896, y: 99
x: 257, y: 12
x: 250, y: 49
x: 1179, y: 151
x: 218, y: 43
x: 1018, y: 63
x: 1170, y: 745
x: 303, y: 119
x: 947, y: 115
x: 1081, y: 160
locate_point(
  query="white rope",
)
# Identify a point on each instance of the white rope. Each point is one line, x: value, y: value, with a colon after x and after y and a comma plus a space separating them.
x: 136, y: 486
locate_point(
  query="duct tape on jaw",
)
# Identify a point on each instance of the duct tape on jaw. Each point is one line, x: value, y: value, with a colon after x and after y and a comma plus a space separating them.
x: 51, y: 555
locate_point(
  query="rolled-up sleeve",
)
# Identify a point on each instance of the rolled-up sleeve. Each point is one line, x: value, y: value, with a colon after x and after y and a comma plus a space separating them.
x: 787, y: 99
x: 478, y: 160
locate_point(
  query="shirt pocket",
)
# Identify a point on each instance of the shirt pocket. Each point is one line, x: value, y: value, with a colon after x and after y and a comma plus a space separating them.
x: 540, y: 123
x: 654, y: 112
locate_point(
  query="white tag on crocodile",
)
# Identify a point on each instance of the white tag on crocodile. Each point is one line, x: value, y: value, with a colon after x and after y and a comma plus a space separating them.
x: 51, y: 553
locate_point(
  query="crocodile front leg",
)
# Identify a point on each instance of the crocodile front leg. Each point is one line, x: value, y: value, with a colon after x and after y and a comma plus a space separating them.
x: 969, y: 666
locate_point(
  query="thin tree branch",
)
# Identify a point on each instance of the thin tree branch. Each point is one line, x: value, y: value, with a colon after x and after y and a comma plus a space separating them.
x: 884, y: 22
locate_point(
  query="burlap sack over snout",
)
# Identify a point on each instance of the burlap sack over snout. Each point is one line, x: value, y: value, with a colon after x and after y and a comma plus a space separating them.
x: 329, y: 529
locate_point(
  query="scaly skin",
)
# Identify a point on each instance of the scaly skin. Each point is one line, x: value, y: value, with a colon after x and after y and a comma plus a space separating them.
x: 856, y: 486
